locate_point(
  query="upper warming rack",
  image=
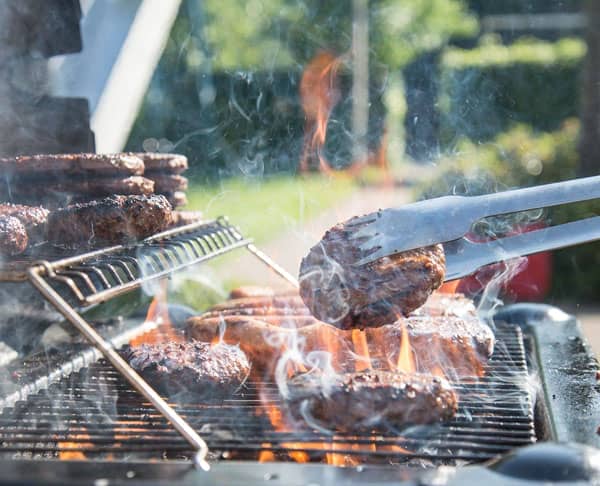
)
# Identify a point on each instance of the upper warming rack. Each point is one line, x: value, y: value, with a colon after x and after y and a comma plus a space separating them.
x: 101, y: 275
x: 94, y: 277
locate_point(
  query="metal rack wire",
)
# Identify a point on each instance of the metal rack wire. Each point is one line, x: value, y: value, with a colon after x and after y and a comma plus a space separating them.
x: 99, y: 276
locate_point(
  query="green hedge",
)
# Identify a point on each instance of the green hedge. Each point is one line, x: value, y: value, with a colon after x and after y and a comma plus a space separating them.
x: 522, y: 157
x: 485, y: 90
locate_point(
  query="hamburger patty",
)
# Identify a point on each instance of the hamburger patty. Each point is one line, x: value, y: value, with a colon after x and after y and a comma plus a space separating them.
x: 177, y: 199
x: 71, y: 164
x: 156, y: 162
x: 112, y: 220
x: 251, y: 291
x: 182, y: 218
x: 193, y: 368
x: 445, y: 333
x: 33, y: 218
x: 370, y: 400
x: 13, y: 236
x: 168, y: 183
x: 348, y: 296
x: 64, y: 190
x: 282, y: 303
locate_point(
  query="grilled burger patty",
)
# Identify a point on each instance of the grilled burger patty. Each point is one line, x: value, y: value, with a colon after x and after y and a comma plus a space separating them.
x: 33, y: 218
x: 71, y: 164
x: 156, y: 162
x: 370, y: 400
x: 348, y: 296
x: 13, y: 236
x: 20, y: 226
x: 445, y: 333
x: 66, y: 190
x: 191, y: 368
x: 112, y: 220
x: 168, y: 183
x: 177, y: 199
x: 251, y: 291
x: 182, y: 218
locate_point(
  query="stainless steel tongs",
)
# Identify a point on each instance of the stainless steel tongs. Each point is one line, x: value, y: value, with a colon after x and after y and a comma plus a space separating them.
x: 448, y: 219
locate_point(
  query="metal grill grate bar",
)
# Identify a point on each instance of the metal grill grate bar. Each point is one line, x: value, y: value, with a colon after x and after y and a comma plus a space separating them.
x: 98, y: 415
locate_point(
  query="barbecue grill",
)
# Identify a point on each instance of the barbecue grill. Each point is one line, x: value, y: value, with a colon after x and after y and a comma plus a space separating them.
x: 67, y: 411
x: 76, y: 412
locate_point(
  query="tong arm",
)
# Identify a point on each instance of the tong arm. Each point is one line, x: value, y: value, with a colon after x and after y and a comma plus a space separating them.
x: 536, y: 197
x: 463, y: 256
x: 448, y: 218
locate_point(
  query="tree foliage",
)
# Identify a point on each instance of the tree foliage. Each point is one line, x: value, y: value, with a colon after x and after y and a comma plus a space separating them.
x: 261, y: 34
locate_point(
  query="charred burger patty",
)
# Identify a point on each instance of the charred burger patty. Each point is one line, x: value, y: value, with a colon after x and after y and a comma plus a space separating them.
x: 112, y: 220
x: 192, y: 368
x: 371, y: 400
x: 348, y: 296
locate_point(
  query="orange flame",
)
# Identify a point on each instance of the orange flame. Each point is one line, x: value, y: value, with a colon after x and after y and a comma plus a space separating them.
x: 406, y: 360
x: 346, y: 460
x: 158, y: 312
x: 266, y: 455
x: 66, y: 452
x: 335, y: 459
x: 278, y: 422
x: 449, y: 287
x: 319, y: 93
x: 298, y: 456
x: 361, y: 349
x: 328, y: 339
x: 438, y: 371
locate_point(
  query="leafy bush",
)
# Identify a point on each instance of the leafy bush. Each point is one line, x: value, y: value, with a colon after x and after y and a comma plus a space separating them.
x: 517, y: 158
x: 523, y: 157
x: 487, y: 89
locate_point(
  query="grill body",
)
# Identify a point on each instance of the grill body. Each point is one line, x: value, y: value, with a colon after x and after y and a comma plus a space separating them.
x: 89, y: 417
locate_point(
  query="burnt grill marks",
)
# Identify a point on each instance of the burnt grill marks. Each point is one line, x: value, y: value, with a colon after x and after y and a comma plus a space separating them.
x: 95, y: 412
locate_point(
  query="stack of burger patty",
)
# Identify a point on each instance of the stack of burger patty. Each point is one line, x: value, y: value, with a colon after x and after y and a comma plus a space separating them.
x: 86, y: 200
x: 165, y: 170
x: 57, y: 180
x: 60, y: 179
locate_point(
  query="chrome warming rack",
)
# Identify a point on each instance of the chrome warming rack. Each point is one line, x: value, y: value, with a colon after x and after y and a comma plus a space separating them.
x: 76, y: 283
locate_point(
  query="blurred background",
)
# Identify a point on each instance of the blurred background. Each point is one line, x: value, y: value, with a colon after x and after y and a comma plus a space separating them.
x: 295, y: 115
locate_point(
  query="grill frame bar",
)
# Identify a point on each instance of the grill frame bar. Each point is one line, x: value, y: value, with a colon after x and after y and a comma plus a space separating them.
x: 568, y: 405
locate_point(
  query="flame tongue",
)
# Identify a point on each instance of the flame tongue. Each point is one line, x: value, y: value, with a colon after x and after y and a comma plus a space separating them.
x: 406, y: 360
x: 67, y: 451
x: 319, y: 93
x: 361, y: 348
x: 158, y: 312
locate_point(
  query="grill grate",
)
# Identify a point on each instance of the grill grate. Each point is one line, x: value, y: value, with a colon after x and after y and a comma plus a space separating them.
x: 95, y: 414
